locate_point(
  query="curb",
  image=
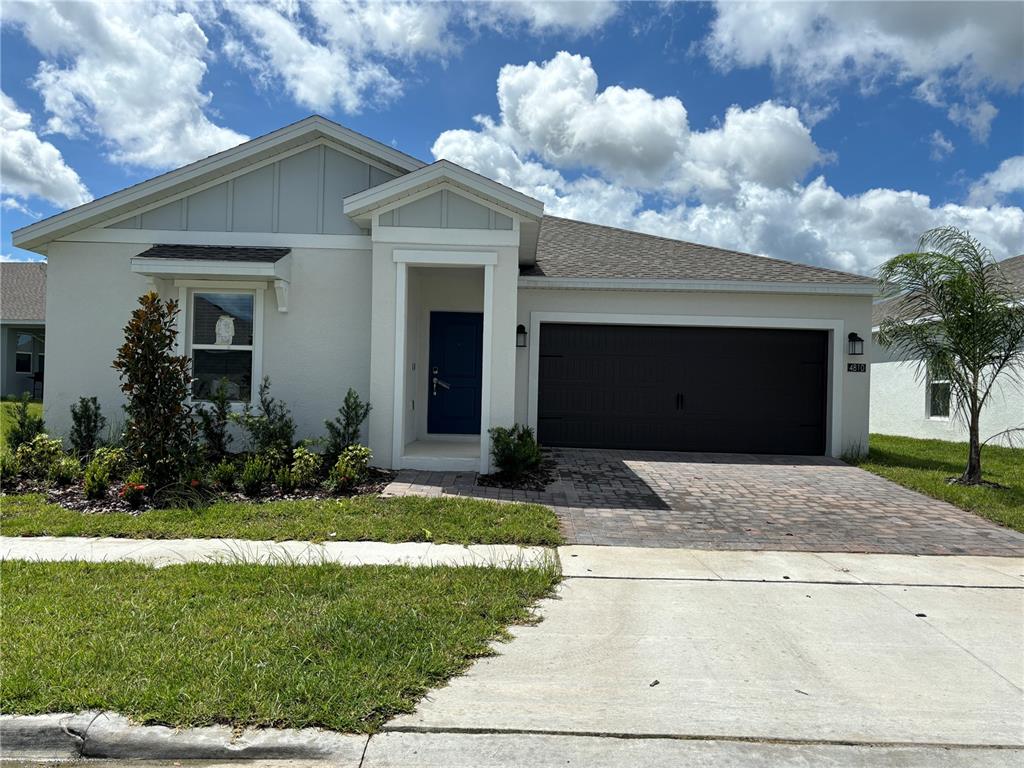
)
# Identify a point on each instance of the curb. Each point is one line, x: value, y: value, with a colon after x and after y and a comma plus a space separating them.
x: 109, y: 735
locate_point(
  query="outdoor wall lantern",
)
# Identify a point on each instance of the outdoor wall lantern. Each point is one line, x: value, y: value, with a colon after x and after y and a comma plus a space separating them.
x: 856, y: 344
x: 520, y: 335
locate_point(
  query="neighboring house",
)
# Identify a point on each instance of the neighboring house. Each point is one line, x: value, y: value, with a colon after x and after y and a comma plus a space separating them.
x: 22, y: 328
x: 325, y: 260
x: 904, y: 401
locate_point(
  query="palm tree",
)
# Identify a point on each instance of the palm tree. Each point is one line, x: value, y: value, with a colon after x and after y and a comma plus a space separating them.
x: 961, y: 319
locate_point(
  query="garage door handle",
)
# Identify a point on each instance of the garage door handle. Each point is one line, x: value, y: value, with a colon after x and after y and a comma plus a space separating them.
x: 679, y: 401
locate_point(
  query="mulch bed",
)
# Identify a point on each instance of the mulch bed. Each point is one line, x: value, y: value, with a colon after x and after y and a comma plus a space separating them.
x: 534, y: 480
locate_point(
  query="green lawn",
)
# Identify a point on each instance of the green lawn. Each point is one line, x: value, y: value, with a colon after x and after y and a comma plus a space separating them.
x: 361, y: 518
x: 926, y: 465
x: 274, y: 645
x: 7, y: 417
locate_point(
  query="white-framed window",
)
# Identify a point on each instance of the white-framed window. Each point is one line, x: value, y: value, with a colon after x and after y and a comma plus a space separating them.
x: 938, y: 396
x: 23, y: 354
x: 223, y: 335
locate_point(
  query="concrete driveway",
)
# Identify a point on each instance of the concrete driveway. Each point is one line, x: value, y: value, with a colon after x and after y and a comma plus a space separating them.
x: 793, y: 648
x: 735, y: 501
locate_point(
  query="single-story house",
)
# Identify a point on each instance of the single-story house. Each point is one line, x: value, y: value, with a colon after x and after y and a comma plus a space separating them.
x: 22, y: 328
x: 906, y: 402
x: 326, y: 260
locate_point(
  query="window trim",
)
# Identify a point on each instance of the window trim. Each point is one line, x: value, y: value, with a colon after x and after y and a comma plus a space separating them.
x: 187, y: 290
x: 928, y: 400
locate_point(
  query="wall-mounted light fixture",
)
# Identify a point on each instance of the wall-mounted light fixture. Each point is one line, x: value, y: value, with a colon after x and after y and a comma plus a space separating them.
x: 520, y: 335
x: 856, y: 344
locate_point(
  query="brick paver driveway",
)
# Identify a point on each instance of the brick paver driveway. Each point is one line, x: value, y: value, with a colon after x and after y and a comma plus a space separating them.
x: 732, y: 501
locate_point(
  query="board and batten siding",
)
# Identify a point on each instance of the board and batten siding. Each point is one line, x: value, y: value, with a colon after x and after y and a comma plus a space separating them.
x: 445, y: 210
x: 302, y: 193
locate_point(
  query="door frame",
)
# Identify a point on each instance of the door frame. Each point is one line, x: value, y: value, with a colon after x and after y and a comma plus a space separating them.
x: 836, y: 356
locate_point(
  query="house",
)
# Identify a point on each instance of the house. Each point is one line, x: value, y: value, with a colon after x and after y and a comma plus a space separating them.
x: 326, y: 260
x: 22, y: 328
x: 906, y: 402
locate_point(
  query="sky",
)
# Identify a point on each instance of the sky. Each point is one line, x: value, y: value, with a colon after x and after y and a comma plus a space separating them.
x: 826, y: 133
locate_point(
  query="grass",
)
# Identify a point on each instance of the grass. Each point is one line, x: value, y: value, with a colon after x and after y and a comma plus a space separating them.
x: 360, y: 518
x: 7, y: 408
x: 926, y: 465
x: 339, y: 647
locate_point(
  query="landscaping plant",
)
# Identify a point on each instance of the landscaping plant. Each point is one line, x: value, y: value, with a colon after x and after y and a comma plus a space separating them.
x: 514, y: 449
x: 214, y: 418
x: 223, y: 474
x: 134, y: 489
x: 343, y: 430
x: 65, y: 471
x: 270, y: 427
x: 962, y: 319
x: 350, y: 469
x: 9, y: 469
x: 255, y: 476
x: 160, y: 432
x: 305, y: 467
x: 25, y: 424
x: 37, y: 457
x: 87, y: 422
x: 284, y: 479
x: 96, y: 481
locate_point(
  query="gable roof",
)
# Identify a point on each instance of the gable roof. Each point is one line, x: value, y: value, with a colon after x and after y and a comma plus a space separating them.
x: 23, y: 291
x: 1012, y: 268
x: 35, y: 236
x: 569, y: 249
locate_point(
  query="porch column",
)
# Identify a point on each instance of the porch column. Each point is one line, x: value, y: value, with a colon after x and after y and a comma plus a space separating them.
x: 401, y: 310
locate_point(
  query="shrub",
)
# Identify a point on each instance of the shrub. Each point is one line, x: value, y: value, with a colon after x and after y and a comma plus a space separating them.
x: 514, y: 449
x: 350, y: 469
x: 284, y: 479
x: 160, y: 431
x: 223, y: 474
x: 86, y: 424
x: 305, y: 467
x: 96, y: 482
x: 134, y: 490
x: 213, y: 423
x: 113, y: 462
x: 343, y: 430
x: 64, y: 471
x: 270, y: 427
x: 24, y: 425
x: 255, y: 475
x: 37, y: 457
x: 9, y: 469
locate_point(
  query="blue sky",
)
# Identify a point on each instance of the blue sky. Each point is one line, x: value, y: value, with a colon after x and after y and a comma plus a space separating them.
x: 830, y: 134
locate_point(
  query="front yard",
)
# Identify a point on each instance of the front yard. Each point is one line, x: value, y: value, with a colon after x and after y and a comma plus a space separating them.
x: 274, y: 645
x: 926, y: 465
x: 359, y: 518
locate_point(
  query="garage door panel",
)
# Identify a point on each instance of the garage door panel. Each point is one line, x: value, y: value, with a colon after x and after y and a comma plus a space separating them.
x: 683, y: 388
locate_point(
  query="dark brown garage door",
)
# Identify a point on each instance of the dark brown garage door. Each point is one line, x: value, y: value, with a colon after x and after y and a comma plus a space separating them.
x: 731, y: 390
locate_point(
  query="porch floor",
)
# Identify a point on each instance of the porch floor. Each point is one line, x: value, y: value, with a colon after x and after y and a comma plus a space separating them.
x: 461, y: 455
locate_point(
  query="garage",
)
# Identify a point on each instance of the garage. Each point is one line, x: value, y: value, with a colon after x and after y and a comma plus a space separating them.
x: 729, y: 390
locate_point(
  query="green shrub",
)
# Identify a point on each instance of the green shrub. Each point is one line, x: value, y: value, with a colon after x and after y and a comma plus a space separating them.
x: 9, y: 469
x: 24, y: 424
x: 112, y: 462
x: 223, y: 474
x: 255, y: 475
x: 86, y: 424
x: 350, y: 469
x: 284, y: 479
x: 305, y: 467
x: 343, y: 430
x: 96, y: 482
x: 160, y: 433
x: 214, y: 418
x: 514, y: 449
x: 270, y: 427
x: 134, y: 489
x: 37, y: 457
x: 64, y: 471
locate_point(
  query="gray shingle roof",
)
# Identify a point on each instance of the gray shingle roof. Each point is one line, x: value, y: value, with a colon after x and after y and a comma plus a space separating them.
x: 23, y: 290
x: 215, y: 253
x: 567, y: 249
x: 1012, y: 268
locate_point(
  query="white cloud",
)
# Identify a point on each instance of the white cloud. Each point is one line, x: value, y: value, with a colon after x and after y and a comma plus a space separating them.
x: 1005, y: 180
x: 941, y: 146
x: 953, y: 52
x: 747, y: 175
x: 570, y: 16
x: 130, y: 73
x: 32, y: 167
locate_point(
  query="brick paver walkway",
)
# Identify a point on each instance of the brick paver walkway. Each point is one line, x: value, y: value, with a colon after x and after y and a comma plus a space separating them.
x: 731, y: 501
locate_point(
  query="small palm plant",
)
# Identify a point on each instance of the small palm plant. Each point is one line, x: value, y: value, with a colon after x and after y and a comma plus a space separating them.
x: 961, y: 318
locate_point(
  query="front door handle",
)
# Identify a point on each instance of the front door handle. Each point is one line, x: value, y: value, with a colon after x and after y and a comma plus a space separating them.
x: 438, y: 383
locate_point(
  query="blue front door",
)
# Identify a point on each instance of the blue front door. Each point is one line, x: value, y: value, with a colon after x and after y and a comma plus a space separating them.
x: 455, y: 372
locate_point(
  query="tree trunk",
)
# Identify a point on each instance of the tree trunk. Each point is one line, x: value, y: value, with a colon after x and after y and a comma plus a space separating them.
x: 972, y: 475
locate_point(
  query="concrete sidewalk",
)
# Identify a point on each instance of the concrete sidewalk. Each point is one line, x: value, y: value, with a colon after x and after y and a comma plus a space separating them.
x: 161, y: 552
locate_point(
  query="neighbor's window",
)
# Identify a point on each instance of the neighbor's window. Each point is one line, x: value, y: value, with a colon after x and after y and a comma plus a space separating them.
x: 23, y: 354
x: 222, y: 343
x: 938, y: 399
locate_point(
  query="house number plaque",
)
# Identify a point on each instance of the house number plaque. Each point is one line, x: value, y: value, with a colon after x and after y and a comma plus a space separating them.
x: 857, y: 367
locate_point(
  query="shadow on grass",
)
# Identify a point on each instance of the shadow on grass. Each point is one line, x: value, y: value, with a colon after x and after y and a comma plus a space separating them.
x: 910, y: 461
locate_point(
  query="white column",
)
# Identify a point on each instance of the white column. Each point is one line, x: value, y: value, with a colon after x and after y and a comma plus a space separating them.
x: 485, y: 388
x: 401, y: 308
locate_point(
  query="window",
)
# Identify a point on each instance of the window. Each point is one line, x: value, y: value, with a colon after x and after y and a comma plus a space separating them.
x: 23, y: 354
x: 222, y: 341
x: 938, y: 399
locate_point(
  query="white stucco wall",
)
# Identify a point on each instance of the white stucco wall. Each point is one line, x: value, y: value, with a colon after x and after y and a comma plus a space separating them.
x: 853, y: 313
x: 313, y: 353
x: 899, y: 404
